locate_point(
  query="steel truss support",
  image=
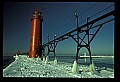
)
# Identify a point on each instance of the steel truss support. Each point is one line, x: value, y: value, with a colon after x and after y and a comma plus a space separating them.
x: 52, y: 46
x: 75, y: 34
x: 43, y: 51
x: 76, y: 37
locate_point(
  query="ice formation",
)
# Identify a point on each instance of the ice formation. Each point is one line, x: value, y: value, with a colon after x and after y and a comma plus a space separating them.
x: 43, y: 59
x: 35, y: 67
x: 55, y: 61
x: 75, y: 67
x: 92, y: 67
x: 46, y: 61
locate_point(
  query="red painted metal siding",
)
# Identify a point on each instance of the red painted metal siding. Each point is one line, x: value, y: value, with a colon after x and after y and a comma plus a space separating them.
x: 35, y: 35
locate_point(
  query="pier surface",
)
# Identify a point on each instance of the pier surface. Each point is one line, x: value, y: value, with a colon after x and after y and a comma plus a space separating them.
x: 23, y: 66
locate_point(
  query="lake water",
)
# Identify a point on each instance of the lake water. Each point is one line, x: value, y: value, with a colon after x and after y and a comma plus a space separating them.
x: 100, y: 62
x: 7, y: 60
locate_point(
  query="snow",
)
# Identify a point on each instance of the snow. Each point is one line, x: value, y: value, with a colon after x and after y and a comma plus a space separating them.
x: 35, y: 67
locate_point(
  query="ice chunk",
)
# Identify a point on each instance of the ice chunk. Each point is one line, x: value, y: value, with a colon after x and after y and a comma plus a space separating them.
x: 111, y: 76
x: 110, y: 69
x: 106, y: 74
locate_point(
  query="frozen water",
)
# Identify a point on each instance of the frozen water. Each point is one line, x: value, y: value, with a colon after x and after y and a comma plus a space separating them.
x: 46, y: 61
x: 75, y: 67
x: 92, y: 67
x: 55, y: 61
x: 43, y: 58
x: 35, y: 67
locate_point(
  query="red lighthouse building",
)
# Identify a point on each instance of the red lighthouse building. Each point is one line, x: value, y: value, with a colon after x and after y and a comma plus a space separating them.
x: 36, y: 35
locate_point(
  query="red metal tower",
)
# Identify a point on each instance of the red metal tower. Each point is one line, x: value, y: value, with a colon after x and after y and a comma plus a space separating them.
x: 36, y: 35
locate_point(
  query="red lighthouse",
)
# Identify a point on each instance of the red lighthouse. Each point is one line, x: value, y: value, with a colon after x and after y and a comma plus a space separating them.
x: 36, y: 35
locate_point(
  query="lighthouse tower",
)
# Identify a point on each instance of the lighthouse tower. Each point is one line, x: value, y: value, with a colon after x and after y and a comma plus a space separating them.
x: 35, y: 49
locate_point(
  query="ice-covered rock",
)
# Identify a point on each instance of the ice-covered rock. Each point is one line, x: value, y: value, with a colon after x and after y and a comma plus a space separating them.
x: 111, y: 76
x: 38, y: 59
x: 110, y: 69
x: 26, y: 67
x: 107, y: 74
x: 16, y: 57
